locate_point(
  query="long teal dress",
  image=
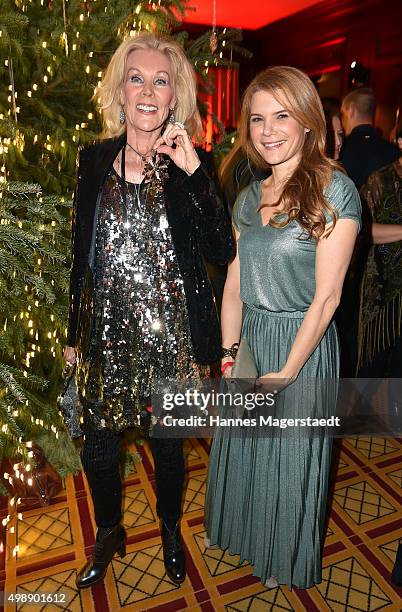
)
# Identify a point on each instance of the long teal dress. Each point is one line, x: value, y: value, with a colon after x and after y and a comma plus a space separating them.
x: 266, y: 496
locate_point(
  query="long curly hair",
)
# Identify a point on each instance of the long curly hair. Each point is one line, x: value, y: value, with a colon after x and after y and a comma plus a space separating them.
x: 107, y: 93
x: 303, y: 195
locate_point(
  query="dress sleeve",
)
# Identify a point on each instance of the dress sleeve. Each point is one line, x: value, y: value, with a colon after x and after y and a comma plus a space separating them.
x: 344, y: 198
x: 77, y: 249
x: 211, y: 219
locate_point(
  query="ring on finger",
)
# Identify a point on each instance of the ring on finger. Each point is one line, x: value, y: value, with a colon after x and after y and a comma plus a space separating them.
x: 179, y: 125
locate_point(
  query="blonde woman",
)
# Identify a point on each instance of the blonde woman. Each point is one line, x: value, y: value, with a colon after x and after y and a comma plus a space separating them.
x: 295, y: 232
x: 146, y: 211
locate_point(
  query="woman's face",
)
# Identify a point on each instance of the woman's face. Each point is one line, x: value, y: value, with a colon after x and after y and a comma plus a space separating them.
x: 338, y: 132
x: 147, y: 92
x: 276, y: 135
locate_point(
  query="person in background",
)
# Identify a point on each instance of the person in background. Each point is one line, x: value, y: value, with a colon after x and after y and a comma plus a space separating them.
x: 380, y: 322
x: 363, y: 151
x: 236, y: 172
x: 333, y: 124
x: 380, y: 329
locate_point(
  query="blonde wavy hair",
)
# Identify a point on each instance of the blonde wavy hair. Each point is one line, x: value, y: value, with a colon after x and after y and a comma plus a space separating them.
x: 303, y: 194
x: 107, y: 94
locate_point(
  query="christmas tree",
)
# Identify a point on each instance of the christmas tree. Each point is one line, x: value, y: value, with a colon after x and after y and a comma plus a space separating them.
x: 33, y: 294
x: 53, y: 55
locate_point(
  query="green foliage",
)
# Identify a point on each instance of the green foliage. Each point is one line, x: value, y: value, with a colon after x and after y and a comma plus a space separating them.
x: 61, y: 452
x: 33, y: 278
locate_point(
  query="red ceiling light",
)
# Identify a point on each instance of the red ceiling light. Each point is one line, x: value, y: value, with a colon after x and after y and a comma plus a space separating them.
x: 246, y: 14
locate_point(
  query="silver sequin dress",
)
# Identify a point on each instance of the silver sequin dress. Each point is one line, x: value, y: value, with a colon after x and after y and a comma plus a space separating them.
x: 140, y: 327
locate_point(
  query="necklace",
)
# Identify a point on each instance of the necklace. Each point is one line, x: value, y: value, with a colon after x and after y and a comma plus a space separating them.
x: 140, y: 155
x: 137, y: 188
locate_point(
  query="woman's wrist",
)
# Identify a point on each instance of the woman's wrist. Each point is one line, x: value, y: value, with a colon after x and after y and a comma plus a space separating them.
x: 230, y: 351
x: 226, y: 359
x: 288, y: 373
x: 192, y: 165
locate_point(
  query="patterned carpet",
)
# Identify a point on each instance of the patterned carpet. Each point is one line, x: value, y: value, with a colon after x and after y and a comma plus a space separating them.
x: 365, y: 525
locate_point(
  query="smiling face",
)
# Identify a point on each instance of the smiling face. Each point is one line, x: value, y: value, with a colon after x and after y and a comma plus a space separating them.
x: 277, y: 136
x: 147, y: 92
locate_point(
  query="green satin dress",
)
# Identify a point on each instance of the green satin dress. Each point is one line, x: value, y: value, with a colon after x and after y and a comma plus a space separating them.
x: 266, y: 496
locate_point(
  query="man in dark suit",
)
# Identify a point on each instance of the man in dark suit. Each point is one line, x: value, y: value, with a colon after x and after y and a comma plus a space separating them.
x: 364, y: 151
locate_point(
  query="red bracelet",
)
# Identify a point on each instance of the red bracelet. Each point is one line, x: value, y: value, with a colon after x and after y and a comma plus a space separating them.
x: 226, y: 365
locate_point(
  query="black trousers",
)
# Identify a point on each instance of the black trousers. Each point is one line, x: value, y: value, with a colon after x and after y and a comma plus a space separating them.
x: 100, y: 456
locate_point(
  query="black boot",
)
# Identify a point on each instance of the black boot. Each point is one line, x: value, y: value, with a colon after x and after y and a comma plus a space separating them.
x: 108, y: 541
x: 173, y: 554
x: 396, y: 577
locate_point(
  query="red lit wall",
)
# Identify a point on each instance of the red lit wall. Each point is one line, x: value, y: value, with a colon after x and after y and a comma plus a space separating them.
x: 328, y: 37
x: 250, y: 14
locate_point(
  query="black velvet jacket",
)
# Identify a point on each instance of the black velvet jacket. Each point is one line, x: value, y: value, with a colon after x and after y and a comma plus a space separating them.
x: 199, y: 226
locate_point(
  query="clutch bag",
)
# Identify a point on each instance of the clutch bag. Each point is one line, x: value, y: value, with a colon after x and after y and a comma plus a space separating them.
x: 69, y: 403
x: 244, y: 365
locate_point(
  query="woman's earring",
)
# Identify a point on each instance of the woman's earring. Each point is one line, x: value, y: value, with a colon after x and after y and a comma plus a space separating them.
x: 172, y: 118
x: 122, y: 116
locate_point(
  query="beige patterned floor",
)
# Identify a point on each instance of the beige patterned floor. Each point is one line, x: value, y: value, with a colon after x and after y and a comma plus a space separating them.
x: 365, y: 526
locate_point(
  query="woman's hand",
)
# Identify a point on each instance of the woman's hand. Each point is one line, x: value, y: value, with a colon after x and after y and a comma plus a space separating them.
x: 277, y: 380
x: 184, y: 154
x: 70, y: 355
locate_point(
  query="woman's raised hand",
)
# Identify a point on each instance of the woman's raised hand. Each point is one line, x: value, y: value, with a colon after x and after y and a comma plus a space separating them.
x: 183, y: 154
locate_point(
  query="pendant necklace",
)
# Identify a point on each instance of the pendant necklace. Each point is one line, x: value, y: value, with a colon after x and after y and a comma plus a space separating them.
x: 140, y: 155
x: 137, y: 187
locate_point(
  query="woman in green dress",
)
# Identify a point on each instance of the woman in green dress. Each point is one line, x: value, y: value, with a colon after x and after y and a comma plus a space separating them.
x: 266, y: 496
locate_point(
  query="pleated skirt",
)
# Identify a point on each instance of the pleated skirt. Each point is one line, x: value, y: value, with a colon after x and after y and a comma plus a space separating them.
x: 266, y: 496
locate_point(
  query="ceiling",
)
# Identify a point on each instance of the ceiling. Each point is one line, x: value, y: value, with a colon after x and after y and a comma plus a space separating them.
x: 247, y: 14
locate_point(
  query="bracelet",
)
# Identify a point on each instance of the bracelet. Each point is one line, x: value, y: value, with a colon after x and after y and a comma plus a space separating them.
x: 226, y: 365
x: 230, y: 352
